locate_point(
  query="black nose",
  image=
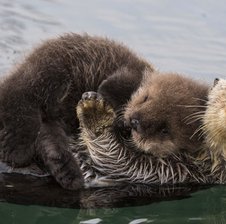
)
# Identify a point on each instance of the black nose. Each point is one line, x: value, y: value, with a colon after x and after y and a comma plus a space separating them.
x: 134, y: 124
x: 216, y: 80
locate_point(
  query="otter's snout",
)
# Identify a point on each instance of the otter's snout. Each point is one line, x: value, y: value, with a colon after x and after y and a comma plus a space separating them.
x: 134, y: 123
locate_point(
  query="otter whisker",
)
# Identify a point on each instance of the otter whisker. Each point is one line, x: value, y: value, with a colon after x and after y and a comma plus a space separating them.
x: 201, y: 134
x: 194, y: 120
x: 203, y: 100
x: 196, y: 131
x: 204, y: 129
x: 197, y: 112
x: 194, y: 117
x: 190, y: 116
x: 193, y: 106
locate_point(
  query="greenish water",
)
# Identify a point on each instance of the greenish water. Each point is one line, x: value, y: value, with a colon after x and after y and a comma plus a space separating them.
x: 183, y: 36
x: 25, y: 199
x: 204, y: 206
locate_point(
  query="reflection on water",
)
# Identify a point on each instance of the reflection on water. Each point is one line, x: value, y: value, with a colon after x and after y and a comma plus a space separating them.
x: 179, y: 35
x: 207, y: 206
x: 41, y: 200
x: 30, y: 190
x: 137, y: 204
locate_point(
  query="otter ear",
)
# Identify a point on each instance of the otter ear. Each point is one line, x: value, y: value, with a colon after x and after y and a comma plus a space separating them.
x: 118, y: 88
x: 216, y: 80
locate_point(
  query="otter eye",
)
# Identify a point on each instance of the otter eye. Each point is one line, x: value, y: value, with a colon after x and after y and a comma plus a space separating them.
x: 165, y: 131
x: 145, y: 98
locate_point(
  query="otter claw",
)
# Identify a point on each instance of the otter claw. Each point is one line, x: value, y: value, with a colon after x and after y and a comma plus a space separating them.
x: 91, y: 96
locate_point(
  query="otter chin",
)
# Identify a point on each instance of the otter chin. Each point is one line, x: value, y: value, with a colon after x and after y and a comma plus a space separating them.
x: 159, y: 145
x: 163, y: 114
x: 214, y: 119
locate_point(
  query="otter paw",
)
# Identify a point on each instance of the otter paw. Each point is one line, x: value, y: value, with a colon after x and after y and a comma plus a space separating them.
x: 62, y: 166
x: 94, y: 113
x: 71, y: 180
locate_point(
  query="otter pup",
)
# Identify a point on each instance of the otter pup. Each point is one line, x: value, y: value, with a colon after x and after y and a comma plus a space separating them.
x: 110, y: 162
x: 105, y: 161
x: 37, y: 99
x: 161, y: 112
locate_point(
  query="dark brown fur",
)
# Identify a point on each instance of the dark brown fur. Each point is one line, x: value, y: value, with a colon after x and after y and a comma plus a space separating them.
x: 38, y: 98
x: 160, y: 114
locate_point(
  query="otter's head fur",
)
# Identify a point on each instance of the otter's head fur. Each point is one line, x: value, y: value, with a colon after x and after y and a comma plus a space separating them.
x: 162, y: 114
x: 214, y: 119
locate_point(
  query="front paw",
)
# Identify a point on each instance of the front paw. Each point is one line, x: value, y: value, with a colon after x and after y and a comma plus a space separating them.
x: 94, y: 113
x: 70, y: 178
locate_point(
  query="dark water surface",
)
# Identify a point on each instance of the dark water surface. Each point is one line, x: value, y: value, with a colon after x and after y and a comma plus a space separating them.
x: 183, y: 36
x: 175, y: 212
x: 29, y: 200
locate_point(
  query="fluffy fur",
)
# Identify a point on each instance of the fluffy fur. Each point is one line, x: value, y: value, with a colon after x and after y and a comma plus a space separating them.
x: 105, y: 161
x: 37, y: 99
x: 214, y: 127
x: 161, y: 114
x: 214, y: 119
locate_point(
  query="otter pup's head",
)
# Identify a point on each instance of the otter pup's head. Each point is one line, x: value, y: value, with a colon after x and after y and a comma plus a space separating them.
x: 214, y: 119
x: 162, y: 114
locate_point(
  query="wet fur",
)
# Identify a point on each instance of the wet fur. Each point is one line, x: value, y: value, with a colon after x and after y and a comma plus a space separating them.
x: 37, y: 99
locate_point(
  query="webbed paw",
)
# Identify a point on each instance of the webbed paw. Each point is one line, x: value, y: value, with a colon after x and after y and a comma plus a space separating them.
x: 94, y: 113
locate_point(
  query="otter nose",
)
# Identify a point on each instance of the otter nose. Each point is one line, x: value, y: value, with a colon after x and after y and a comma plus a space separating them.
x: 134, y: 124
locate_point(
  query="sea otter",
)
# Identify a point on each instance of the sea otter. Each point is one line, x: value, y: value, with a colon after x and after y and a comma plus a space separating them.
x: 105, y: 161
x: 214, y: 128
x: 109, y: 162
x: 161, y: 112
x: 37, y: 99
x: 214, y: 117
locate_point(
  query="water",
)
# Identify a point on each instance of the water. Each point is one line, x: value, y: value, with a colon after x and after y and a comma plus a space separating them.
x: 44, y: 202
x: 183, y: 36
